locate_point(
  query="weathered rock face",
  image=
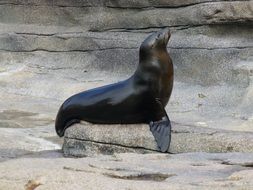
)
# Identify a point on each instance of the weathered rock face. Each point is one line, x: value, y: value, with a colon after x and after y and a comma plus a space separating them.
x: 129, y: 171
x: 114, y: 15
x: 86, y: 139
x: 50, y: 50
x: 211, y: 36
x: 53, y: 49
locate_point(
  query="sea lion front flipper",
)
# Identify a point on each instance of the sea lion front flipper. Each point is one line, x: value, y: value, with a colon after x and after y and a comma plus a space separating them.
x: 160, y: 127
x: 162, y: 133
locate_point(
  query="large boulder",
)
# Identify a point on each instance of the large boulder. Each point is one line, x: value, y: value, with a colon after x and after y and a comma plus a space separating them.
x: 87, y: 139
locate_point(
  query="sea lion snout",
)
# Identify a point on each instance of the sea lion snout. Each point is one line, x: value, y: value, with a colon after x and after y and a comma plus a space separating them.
x: 163, y: 37
x: 166, y: 35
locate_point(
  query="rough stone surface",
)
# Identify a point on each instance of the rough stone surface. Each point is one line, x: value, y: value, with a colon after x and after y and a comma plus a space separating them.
x: 87, y: 139
x: 50, y: 50
x: 107, y: 3
x: 105, y: 18
x: 49, y: 170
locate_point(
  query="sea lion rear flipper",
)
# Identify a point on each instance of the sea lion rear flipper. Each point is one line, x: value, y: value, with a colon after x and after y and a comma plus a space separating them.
x: 162, y: 133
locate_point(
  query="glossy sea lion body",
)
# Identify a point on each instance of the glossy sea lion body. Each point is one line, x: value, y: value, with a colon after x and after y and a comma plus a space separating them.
x: 139, y: 99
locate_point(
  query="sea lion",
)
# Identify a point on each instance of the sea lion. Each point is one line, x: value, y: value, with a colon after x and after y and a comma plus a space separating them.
x: 139, y: 99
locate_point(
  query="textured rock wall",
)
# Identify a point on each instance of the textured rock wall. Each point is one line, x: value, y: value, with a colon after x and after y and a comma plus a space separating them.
x: 53, y: 49
x: 207, y: 36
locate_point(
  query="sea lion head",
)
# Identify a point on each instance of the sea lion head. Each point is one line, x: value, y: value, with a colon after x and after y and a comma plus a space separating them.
x: 154, y: 43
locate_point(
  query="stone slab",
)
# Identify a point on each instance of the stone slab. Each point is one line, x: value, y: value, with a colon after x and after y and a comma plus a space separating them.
x: 49, y: 170
x: 87, y: 139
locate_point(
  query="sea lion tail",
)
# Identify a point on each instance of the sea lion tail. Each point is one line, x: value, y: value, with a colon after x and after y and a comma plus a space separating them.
x: 64, y: 120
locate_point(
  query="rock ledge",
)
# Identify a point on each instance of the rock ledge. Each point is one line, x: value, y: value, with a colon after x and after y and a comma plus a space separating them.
x: 86, y: 139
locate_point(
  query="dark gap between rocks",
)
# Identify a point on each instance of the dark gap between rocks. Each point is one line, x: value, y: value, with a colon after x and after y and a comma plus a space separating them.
x: 248, y: 165
x: 112, y: 144
x: 143, y: 177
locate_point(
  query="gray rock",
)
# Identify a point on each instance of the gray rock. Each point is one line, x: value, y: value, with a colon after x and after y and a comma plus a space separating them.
x: 100, y: 139
x: 103, y: 18
x: 205, y: 47
x: 202, y: 37
x: 106, y: 3
x: 49, y: 170
x: 80, y: 148
x: 28, y: 143
x: 202, y: 14
x: 87, y: 139
x: 153, y: 3
x: 49, y: 51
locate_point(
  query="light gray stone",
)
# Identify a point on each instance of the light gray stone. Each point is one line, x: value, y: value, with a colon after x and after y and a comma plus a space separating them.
x: 202, y: 37
x: 49, y: 51
x: 87, y: 139
x: 49, y: 170
x: 107, y: 3
x: 153, y: 3
x: 79, y: 148
x: 102, y: 18
x: 213, y: 13
x: 208, y: 67
x: 205, y: 47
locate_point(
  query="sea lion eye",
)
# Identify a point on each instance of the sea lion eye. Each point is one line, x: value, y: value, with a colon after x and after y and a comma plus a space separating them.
x: 157, y: 37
